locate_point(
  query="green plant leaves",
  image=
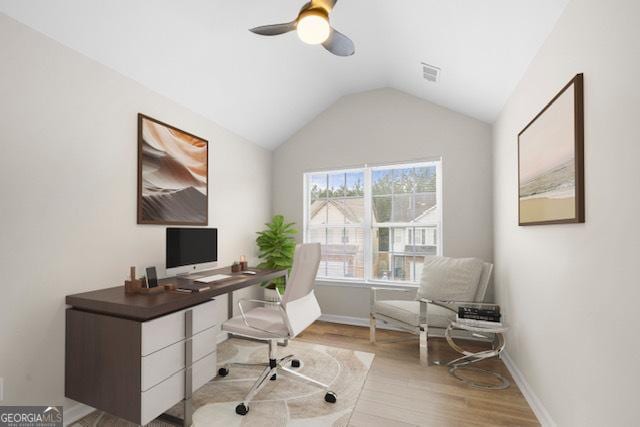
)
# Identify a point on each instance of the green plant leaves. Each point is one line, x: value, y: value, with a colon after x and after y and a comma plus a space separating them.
x: 277, y: 246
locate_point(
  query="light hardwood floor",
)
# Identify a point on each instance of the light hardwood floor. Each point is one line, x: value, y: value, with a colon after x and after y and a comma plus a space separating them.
x: 400, y: 392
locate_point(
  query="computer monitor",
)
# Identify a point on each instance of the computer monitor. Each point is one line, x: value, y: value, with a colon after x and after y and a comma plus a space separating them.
x: 190, y: 248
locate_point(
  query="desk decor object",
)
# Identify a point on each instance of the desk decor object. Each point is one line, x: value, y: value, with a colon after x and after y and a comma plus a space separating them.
x: 139, y: 286
x: 235, y: 267
x: 551, y: 161
x: 173, y: 171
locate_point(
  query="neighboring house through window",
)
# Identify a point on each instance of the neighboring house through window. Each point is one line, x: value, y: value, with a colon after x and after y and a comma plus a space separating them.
x: 374, y: 223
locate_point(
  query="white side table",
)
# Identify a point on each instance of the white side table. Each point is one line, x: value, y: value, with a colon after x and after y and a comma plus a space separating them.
x: 470, y: 358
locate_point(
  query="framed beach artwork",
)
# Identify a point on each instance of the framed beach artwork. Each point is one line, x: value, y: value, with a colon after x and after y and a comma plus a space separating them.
x: 551, y: 161
x: 173, y: 171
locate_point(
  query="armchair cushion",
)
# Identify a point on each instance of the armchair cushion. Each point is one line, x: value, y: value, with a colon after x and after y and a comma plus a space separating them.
x: 409, y: 312
x: 450, y: 279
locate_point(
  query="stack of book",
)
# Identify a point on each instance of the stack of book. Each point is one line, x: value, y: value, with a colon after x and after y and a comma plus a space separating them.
x: 482, y: 315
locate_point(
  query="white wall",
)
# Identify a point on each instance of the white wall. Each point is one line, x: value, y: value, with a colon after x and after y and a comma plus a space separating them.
x: 384, y: 126
x: 68, y: 170
x: 570, y: 292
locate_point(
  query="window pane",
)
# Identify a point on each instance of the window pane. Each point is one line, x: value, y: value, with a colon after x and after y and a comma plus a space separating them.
x: 426, y: 208
x: 381, y: 182
x: 382, y: 208
x: 398, y: 252
x: 337, y: 185
x: 336, y: 199
x: 405, y: 195
x: 402, y: 208
x: 400, y: 267
x: 318, y: 212
x: 425, y: 179
x: 355, y: 184
x: 318, y: 235
x: 346, y: 210
x: 404, y: 180
x: 318, y: 186
x: 343, y: 253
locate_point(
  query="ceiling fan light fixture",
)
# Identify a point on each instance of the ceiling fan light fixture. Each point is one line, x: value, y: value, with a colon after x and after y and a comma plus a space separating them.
x: 313, y: 27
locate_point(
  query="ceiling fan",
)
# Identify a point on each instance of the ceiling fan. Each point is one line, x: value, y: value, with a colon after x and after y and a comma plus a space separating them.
x: 312, y: 26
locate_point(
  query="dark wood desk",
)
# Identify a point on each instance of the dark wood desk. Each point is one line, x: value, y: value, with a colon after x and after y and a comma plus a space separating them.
x: 132, y: 355
x: 115, y: 302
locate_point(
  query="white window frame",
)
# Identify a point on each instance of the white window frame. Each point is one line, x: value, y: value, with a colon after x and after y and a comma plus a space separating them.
x: 368, y: 224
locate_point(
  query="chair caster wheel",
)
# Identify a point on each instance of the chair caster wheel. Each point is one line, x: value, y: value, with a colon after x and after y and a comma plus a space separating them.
x: 295, y: 363
x: 273, y: 377
x: 330, y: 397
x: 242, y: 409
x: 223, y: 372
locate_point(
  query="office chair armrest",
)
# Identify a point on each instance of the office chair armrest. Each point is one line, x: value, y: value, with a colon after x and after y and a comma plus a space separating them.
x: 259, y: 301
x: 246, y: 321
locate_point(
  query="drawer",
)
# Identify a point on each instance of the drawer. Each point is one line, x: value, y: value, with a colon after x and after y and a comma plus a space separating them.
x: 166, y: 330
x: 163, y: 396
x: 160, y: 365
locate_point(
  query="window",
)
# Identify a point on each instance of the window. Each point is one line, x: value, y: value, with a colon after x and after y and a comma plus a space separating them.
x: 374, y: 223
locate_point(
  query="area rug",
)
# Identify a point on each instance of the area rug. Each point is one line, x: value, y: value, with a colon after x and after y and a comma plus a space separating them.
x: 284, y: 402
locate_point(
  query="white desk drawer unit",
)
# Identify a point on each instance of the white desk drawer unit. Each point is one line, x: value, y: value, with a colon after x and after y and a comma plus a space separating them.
x: 158, y: 366
x: 163, y: 350
x: 166, y: 330
x: 158, y: 399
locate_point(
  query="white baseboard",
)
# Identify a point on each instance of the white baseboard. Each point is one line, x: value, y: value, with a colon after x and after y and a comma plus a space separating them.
x: 534, y: 402
x: 73, y: 413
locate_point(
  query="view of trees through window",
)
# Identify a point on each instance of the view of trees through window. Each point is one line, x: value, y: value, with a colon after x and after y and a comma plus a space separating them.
x: 387, y: 241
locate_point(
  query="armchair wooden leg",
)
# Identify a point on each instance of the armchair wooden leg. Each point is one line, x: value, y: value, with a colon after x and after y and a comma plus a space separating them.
x: 372, y: 329
x: 424, y: 348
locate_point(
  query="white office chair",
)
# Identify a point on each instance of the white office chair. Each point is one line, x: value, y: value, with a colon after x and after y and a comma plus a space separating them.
x: 293, y: 314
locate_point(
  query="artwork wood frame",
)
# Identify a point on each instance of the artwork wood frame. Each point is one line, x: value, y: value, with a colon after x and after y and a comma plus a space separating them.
x: 173, y: 175
x: 551, y: 161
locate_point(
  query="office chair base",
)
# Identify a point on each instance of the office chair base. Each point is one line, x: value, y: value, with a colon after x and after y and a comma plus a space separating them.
x: 270, y: 372
x: 242, y: 409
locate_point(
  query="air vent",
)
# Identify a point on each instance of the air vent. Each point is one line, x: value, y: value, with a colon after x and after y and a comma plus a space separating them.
x: 430, y: 73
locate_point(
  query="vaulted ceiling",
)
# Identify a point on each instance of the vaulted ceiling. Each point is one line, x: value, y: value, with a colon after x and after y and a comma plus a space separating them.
x: 200, y: 54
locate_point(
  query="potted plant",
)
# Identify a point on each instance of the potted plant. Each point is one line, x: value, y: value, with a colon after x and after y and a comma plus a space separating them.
x: 276, y: 245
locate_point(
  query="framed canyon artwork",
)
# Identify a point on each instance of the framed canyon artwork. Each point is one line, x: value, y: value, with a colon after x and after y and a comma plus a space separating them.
x: 173, y: 172
x: 551, y: 161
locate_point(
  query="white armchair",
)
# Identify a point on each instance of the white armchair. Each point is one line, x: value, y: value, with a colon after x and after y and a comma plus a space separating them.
x: 427, y: 313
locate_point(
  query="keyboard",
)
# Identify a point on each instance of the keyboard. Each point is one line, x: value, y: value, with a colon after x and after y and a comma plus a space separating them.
x: 214, y: 278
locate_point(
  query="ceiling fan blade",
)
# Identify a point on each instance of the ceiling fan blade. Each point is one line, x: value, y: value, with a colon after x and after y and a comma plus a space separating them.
x: 275, y: 29
x: 339, y: 44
